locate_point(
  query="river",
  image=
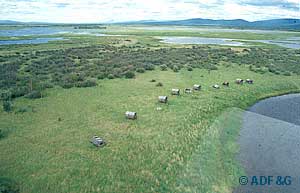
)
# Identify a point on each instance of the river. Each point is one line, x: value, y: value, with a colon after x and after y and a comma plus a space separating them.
x: 270, y: 145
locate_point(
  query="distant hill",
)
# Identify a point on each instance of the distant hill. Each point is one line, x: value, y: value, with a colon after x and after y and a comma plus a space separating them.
x: 9, y: 22
x: 287, y: 24
x: 280, y: 24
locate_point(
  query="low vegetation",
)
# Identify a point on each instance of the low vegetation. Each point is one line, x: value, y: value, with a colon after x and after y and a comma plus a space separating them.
x: 21, y: 73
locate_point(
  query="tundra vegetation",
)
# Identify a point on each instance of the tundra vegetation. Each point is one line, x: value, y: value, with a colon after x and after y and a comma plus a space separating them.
x: 56, y: 96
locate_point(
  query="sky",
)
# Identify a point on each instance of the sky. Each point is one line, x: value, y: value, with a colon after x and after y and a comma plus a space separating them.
x: 102, y: 11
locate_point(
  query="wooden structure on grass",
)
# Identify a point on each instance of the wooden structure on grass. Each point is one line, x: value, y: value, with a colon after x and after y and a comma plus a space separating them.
x: 97, y: 141
x: 197, y: 87
x: 249, y: 81
x: 225, y: 83
x: 188, y: 90
x: 175, y: 91
x: 239, y: 81
x: 163, y: 99
x: 216, y: 86
x: 131, y: 115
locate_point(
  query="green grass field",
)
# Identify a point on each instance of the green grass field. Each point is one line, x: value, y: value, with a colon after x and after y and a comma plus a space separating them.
x: 175, y: 149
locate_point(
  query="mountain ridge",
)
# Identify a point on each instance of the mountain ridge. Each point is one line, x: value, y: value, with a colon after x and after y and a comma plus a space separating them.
x: 284, y: 23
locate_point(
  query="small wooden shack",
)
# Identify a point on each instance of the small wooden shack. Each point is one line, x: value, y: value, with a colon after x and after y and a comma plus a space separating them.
x: 225, y: 83
x: 197, y: 87
x: 175, y: 91
x: 216, y: 86
x: 131, y: 115
x: 97, y: 141
x: 188, y: 90
x: 163, y: 99
x: 239, y: 81
x: 249, y: 81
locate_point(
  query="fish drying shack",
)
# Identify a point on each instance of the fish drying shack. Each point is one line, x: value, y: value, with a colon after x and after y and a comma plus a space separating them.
x: 131, y: 115
x: 239, y: 81
x: 163, y: 99
x: 175, y: 91
x: 188, y: 90
x: 97, y: 141
x: 197, y: 87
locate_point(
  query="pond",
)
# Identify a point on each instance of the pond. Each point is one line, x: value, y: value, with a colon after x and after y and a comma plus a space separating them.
x: 293, y: 43
x: 270, y: 142
x: 29, y: 41
x: 209, y: 29
x: 200, y: 40
x: 290, y: 43
x: 31, y: 31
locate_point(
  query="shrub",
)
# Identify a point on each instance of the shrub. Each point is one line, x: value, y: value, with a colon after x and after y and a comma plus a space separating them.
x: 189, y: 68
x: 140, y: 70
x: 117, y: 72
x: 24, y: 109
x: 46, y: 85
x: 67, y: 85
x: 273, y: 69
x: 87, y: 83
x: 287, y: 74
x: 110, y: 76
x: 35, y: 94
x: 163, y: 67
x: 6, y: 95
x: 129, y: 74
x: 152, y: 80
x: 213, y: 68
x: 175, y: 68
x: 262, y: 70
x: 159, y: 84
x: 277, y: 72
x: 18, y: 92
x: 101, y: 76
x: 7, y: 106
x: 149, y: 67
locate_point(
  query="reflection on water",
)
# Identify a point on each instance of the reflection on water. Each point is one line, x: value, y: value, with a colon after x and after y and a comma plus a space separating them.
x: 200, y: 40
x: 29, y: 41
x: 293, y: 43
x: 204, y: 29
x: 290, y: 43
x: 30, y: 31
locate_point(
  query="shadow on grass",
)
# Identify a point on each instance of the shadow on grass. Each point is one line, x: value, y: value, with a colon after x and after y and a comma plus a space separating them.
x: 8, y: 186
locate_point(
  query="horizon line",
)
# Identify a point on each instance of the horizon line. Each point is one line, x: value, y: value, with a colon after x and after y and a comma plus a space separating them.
x: 144, y: 20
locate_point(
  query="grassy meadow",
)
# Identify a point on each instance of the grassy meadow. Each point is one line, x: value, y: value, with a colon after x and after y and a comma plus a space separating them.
x: 150, y: 154
x: 181, y: 146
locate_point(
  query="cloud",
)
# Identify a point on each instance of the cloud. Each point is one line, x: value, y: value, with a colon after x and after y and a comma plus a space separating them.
x: 125, y: 10
x: 62, y: 5
x: 284, y: 4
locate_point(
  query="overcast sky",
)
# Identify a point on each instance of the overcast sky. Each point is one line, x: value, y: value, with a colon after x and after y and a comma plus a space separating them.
x: 78, y: 11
